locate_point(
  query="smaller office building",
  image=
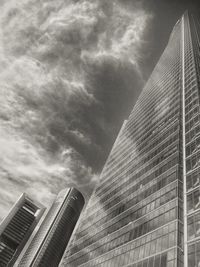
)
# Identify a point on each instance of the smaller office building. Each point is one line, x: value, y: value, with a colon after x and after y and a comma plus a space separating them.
x: 49, y: 242
x: 16, y: 229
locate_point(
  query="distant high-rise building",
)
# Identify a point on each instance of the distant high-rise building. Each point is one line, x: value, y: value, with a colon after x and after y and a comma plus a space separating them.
x: 145, y: 212
x: 51, y: 238
x: 16, y: 229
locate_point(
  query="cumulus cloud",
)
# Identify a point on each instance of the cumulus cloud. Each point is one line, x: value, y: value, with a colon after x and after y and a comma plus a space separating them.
x: 68, y: 76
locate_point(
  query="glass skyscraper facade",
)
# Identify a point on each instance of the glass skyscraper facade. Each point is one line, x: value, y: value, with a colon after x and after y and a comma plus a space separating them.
x: 50, y: 240
x: 145, y: 212
x: 16, y: 229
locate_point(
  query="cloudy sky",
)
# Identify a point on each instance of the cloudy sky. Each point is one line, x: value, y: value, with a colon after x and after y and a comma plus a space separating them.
x: 70, y: 72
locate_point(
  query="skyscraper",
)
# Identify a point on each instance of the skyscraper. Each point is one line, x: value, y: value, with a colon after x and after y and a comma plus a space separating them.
x: 17, y: 228
x: 145, y: 212
x: 48, y: 244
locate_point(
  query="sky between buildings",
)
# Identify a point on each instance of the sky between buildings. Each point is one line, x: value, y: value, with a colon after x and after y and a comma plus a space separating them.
x: 70, y: 73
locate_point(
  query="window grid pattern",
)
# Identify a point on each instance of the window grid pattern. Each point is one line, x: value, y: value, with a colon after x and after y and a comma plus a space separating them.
x: 135, y: 211
x: 192, y: 129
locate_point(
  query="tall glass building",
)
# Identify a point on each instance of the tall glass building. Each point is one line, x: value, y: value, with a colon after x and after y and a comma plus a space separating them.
x: 49, y: 241
x: 145, y: 212
x: 17, y: 227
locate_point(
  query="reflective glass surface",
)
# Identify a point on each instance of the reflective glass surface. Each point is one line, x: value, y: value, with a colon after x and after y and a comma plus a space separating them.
x: 135, y: 215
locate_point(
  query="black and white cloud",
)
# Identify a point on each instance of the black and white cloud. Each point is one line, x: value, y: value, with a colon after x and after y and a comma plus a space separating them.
x: 69, y: 75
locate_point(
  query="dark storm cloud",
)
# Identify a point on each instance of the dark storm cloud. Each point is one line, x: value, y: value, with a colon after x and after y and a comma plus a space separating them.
x: 111, y: 83
x: 69, y: 73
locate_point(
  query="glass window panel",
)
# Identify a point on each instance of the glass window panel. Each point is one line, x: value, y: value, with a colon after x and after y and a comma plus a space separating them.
x: 147, y: 248
x: 190, y: 227
x: 165, y: 242
x: 198, y: 246
x: 197, y: 224
x: 145, y: 263
x: 191, y: 260
x: 189, y: 182
x: 172, y: 239
x: 153, y: 247
x: 157, y: 261
x: 158, y: 245
x: 191, y: 249
x: 188, y: 165
x: 151, y: 261
x: 171, y: 255
x: 198, y: 259
x: 170, y: 264
x: 197, y: 199
x: 196, y: 180
x: 163, y: 260
x: 189, y: 203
